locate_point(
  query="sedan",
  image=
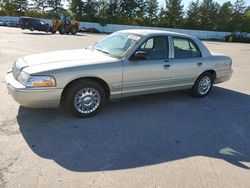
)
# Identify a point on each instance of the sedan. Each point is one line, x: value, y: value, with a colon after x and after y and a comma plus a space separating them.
x: 125, y: 63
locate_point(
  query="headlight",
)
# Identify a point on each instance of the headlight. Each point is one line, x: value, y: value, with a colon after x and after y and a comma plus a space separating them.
x: 23, y: 77
x: 18, y: 66
x: 36, y: 81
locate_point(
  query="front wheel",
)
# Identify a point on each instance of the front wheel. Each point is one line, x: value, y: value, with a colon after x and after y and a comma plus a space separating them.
x: 61, y: 30
x: 85, y: 98
x: 203, y: 85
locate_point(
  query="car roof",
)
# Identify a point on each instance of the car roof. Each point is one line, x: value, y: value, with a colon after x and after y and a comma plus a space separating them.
x: 146, y: 32
x: 29, y: 18
x: 154, y: 32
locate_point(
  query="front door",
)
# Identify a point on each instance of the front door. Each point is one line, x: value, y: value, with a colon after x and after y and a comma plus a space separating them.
x: 151, y: 73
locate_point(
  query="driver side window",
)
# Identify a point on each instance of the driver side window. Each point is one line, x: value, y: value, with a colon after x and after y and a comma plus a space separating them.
x: 149, y: 44
x: 155, y: 48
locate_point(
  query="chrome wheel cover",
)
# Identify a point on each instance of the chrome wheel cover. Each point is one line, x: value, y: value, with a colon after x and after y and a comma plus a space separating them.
x: 87, y: 100
x: 205, y: 85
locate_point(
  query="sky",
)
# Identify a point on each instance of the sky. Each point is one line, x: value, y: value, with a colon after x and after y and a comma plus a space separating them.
x: 186, y: 2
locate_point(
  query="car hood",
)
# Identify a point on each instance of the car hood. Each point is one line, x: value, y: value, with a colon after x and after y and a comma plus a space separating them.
x: 67, y: 58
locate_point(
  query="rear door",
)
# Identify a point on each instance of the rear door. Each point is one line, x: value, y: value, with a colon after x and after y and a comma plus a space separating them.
x: 187, y: 61
x: 151, y: 74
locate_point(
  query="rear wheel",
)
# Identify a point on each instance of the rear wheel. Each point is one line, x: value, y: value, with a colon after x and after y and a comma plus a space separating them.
x: 85, y: 98
x: 50, y: 29
x: 203, y: 85
x: 32, y: 28
x: 74, y: 30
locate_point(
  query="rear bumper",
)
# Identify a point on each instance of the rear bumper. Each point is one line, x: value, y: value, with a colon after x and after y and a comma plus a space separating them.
x: 32, y: 98
x: 223, y: 76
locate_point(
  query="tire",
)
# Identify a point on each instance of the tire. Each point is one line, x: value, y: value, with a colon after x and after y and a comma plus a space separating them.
x: 61, y: 30
x: 49, y: 30
x: 32, y: 29
x: 85, y: 98
x: 203, y: 85
x: 74, y: 30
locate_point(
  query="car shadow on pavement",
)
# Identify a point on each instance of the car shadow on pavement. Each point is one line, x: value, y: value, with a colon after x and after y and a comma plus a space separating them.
x: 143, y: 131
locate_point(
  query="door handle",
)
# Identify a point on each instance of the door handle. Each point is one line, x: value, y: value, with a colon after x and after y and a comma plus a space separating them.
x: 166, y: 66
x: 199, y: 64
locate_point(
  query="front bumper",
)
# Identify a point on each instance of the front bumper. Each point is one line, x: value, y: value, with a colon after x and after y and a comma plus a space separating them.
x: 31, y: 97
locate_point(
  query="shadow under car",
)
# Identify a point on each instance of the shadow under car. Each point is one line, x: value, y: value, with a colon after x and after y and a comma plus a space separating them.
x: 143, y: 131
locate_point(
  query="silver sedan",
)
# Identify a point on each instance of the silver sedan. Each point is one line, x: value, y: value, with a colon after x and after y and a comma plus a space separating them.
x: 125, y: 63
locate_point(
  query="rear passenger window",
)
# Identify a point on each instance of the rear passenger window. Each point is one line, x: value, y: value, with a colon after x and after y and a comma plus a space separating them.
x: 185, y: 48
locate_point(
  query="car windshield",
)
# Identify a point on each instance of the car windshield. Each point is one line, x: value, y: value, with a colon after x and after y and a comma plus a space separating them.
x: 117, y: 44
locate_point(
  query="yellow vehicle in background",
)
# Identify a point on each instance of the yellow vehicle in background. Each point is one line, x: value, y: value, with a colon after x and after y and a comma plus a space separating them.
x: 65, y: 25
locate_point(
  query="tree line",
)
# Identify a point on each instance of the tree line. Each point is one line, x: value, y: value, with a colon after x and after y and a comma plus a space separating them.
x: 200, y: 14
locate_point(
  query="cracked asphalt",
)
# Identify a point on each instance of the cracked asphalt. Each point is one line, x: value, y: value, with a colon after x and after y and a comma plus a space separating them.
x: 162, y: 140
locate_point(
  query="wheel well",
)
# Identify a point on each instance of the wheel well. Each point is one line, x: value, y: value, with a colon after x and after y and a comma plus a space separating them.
x: 98, y: 80
x: 212, y: 72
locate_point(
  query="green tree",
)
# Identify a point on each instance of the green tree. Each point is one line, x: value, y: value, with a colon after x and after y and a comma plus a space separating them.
x: 76, y: 6
x: 238, y: 15
x: 102, y: 12
x: 247, y: 10
x: 21, y: 6
x: 128, y: 10
x: 151, y: 12
x: 55, y: 5
x: 140, y: 12
x: 113, y: 11
x: 209, y: 13
x: 193, y: 15
x: 90, y: 12
x: 8, y: 7
x: 174, y: 13
x: 39, y: 4
x: 224, y: 20
x: 14, y: 7
x: 246, y: 22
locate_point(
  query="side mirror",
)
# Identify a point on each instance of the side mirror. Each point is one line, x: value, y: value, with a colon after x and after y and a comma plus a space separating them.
x: 140, y: 55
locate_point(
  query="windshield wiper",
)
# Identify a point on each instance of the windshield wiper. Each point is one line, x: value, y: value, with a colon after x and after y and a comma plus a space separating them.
x: 100, y: 50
